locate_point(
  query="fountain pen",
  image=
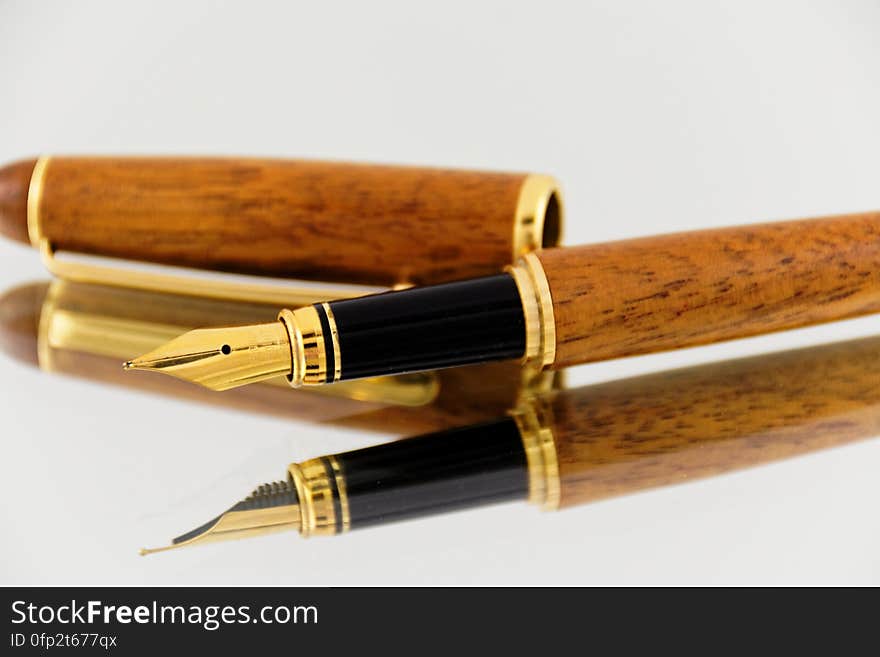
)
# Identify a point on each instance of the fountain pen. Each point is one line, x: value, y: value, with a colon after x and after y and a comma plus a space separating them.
x: 571, y: 447
x: 560, y: 307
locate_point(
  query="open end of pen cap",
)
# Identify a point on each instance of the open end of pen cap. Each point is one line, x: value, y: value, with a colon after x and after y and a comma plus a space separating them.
x: 222, y: 358
x: 270, y: 508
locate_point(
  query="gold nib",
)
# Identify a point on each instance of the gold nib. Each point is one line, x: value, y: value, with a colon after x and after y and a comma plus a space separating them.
x: 270, y: 508
x: 225, y: 358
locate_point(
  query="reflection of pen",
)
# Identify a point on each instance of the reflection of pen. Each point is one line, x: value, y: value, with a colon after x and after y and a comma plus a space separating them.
x: 560, y: 307
x: 576, y: 446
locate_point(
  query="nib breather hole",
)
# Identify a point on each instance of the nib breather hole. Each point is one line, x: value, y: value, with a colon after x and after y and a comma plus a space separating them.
x: 226, y: 350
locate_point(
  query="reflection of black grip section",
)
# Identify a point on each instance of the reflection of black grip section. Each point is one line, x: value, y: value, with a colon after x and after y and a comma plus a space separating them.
x: 438, y: 472
x: 430, y: 327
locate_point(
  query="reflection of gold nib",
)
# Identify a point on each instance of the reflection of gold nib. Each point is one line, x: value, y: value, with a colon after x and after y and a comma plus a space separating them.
x: 225, y: 358
x: 270, y: 508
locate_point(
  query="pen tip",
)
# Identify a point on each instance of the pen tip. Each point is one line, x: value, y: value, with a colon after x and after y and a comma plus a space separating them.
x: 140, y: 363
x: 145, y: 551
x: 220, y: 359
x: 271, y: 507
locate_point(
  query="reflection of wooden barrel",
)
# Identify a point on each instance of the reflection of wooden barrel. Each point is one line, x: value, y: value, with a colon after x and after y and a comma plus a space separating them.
x: 684, y: 424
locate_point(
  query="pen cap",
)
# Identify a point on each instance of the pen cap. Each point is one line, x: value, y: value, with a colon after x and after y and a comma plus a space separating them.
x: 328, y: 221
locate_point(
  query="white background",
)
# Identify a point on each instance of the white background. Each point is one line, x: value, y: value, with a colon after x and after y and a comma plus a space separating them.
x: 656, y: 116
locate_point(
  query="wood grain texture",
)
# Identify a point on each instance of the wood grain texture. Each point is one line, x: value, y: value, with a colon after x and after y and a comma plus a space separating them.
x: 313, y: 220
x: 673, y: 291
x: 676, y: 426
x: 15, y: 179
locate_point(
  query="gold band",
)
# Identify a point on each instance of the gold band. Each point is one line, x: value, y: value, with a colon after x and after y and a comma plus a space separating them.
x: 538, y: 219
x: 534, y: 290
x: 531, y: 315
x: 313, y: 488
x: 534, y: 420
x: 308, y: 355
x: 339, y: 476
x: 34, y: 199
x: 334, y: 336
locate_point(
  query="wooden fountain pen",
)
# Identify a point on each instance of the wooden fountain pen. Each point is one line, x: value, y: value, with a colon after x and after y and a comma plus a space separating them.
x: 560, y: 307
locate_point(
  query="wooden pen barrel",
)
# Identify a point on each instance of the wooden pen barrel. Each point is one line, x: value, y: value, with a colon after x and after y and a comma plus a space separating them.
x: 673, y: 291
x: 329, y: 221
x: 624, y: 436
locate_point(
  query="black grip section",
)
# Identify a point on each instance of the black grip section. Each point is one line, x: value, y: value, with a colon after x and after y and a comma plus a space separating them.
x: 431, y: 327
x: 444, y: 471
